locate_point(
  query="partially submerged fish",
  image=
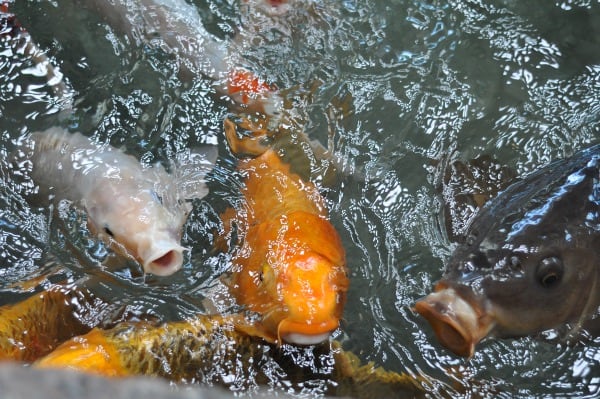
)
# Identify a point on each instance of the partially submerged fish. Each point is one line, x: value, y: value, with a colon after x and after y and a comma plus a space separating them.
x: 210, y: 350
x: 529, y: 261
x: 290, y: 265
x: 202, y: 350
x: 35, y: 326
x: 176, y: 27
x: 141, y: 211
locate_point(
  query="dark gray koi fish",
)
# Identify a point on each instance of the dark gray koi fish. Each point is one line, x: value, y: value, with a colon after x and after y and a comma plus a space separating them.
x: 529, y: 261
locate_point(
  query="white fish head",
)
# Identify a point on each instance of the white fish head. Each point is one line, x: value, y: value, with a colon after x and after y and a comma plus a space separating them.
x: 136, y: 223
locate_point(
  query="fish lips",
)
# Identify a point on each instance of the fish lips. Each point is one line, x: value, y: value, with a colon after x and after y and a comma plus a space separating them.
x: 302, y: 333
x: 459, y: 321
x: 163, y: 258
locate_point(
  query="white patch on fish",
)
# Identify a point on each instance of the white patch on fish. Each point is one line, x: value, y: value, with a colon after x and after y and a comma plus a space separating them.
x: 140, y: 210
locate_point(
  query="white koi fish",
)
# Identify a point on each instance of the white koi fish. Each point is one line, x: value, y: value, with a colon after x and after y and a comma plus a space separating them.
x: 137, y: 210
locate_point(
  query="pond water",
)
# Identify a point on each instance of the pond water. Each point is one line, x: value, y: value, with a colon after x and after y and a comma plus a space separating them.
x: 392, y: 87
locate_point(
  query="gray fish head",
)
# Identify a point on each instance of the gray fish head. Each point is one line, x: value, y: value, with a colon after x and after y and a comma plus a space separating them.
x: 528, y: 264
x: 521, y: 293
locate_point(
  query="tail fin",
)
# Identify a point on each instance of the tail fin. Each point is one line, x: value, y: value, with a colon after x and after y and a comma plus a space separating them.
x: 10, y: 27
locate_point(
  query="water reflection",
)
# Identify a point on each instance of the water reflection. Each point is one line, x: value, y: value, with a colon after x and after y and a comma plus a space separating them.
x: 392, y: 87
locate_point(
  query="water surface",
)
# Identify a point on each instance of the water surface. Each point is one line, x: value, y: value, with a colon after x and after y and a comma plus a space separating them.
x: 394, y: 88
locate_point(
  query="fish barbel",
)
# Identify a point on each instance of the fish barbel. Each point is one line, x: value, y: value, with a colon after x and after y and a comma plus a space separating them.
x: 529, y: 261
x: 290, y: 266
x: 140, y: 211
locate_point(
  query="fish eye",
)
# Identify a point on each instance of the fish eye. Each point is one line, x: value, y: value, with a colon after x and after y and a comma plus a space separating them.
x: 108, y: 231
x: 549, y: 272
x: 515, y: 263
x: 471, y: 239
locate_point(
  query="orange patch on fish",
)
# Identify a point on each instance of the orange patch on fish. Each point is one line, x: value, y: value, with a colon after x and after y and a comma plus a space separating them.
x: 290, y: 267
x: 246, y: 84
x: 91, y: 353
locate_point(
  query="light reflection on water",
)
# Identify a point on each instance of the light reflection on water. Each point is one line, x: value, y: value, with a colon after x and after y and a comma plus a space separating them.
x: 393, y: 86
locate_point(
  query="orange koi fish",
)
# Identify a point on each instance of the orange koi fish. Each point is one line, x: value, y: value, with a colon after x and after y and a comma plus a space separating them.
x: 290, y: 266
x: 34, y: 327
x: 46, y: 329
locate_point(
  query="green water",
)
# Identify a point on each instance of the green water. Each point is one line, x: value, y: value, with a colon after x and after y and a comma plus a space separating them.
x: 395, y: 87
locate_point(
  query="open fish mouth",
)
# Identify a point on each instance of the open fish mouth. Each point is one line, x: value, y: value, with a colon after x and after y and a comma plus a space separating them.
x: 458, y: 324
x: 166, y: 259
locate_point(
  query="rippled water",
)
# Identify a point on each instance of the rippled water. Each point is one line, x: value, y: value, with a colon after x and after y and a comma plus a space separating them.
x: 395, y: 87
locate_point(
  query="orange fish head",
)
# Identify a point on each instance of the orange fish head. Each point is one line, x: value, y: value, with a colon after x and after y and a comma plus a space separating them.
x: 310, y: 293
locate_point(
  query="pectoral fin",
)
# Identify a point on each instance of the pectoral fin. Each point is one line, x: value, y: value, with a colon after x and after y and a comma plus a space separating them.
x: 252, y: 329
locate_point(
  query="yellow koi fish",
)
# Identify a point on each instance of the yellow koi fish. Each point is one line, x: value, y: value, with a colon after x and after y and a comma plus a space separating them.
x: 205, y: 349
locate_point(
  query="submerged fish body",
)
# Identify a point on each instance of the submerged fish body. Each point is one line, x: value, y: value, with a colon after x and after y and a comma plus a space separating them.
x: 529, y: 262
x: 138, y: 210
x: 290, y: 267
x: 46, y: 330
x: 58, y: 329
x: 176, y: 27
